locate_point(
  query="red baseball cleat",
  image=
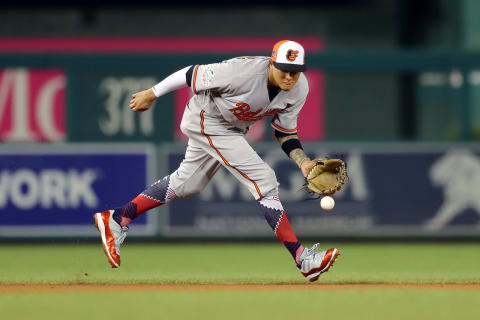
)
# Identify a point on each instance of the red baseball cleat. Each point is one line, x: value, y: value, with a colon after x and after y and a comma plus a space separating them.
x: 313, y: 264
x: 112, y: 235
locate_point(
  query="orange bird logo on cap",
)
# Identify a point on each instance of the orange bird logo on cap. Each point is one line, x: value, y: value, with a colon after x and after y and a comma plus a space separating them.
x: 292, y: 55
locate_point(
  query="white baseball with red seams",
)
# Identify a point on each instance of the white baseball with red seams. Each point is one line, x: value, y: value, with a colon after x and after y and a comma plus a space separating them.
x: 327, y: 203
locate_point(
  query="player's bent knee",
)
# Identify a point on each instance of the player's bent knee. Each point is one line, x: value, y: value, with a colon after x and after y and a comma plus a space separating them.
x: 185, y: 188
x: 188, y: 191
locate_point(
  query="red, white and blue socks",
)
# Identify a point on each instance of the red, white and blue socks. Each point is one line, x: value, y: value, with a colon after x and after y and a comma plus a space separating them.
x: 157, y: 194
x: 161, y: 192
x: 272, y: 209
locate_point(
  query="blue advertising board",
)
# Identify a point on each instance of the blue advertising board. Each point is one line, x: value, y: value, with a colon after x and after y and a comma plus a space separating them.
x: 393, y: 190
x: 54, y: 190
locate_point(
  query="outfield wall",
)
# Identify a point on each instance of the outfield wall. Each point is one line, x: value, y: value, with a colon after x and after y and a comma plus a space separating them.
x: 53, y: 190
x: 83, y: 97
x: 394, y: 190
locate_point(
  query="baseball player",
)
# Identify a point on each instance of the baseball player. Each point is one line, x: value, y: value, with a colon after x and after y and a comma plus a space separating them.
x: 228, y: 98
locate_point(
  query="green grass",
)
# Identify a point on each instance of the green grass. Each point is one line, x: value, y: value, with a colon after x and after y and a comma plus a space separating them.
x: 283, y: 304
x: 240, y: 263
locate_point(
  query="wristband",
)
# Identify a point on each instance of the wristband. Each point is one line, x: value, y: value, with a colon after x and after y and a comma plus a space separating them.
x: 290, y: 145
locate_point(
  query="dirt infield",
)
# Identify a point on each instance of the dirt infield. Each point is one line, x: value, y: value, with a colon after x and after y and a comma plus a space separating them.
x: 227, y: 287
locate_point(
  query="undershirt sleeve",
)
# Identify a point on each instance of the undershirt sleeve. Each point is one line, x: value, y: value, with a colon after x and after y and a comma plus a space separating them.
x: 189, y: 76
x: 175, y: 81
x: 280, y: 134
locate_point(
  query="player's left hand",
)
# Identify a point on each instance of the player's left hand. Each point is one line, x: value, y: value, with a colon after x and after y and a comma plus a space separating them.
x: 326, y: 177
x: 142, y: 101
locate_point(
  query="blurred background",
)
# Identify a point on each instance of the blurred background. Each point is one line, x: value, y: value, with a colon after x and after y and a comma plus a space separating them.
x: 394, y: 90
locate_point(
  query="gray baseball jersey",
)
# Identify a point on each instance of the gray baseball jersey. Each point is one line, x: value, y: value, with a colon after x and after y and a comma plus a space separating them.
x: 237, y: 89
x: 229, y: 98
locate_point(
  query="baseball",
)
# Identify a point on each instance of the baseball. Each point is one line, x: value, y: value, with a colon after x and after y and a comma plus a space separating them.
x: 327, y: 203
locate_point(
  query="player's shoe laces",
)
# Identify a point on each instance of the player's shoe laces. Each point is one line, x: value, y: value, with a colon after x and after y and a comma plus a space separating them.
x: 112, y: 235
x: 313, y: 264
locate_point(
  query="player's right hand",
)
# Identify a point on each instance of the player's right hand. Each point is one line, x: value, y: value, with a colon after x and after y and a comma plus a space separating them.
x: 142, y: 101
x: 307, y: 166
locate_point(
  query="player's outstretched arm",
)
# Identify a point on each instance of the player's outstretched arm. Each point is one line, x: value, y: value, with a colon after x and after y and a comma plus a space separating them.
x: 143, y: 100
x: 293, y: 148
